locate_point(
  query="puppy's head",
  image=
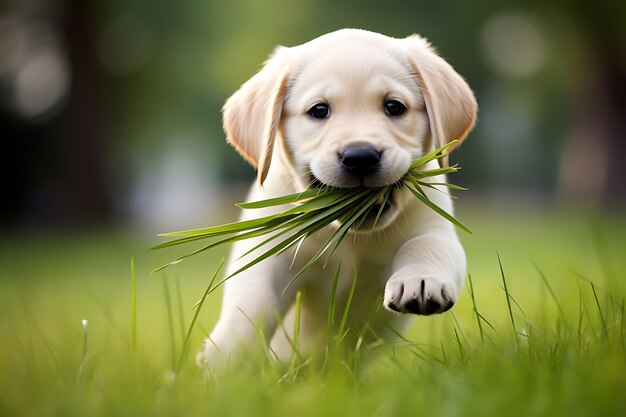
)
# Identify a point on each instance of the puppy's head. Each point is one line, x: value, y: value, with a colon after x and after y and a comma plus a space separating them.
x: 351, y: 108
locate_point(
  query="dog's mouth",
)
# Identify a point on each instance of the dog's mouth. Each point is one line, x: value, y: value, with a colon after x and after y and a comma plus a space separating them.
x: 377, y: 213
x: 378, y: 216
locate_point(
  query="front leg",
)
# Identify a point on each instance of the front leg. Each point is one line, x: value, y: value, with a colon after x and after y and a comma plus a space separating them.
x: 428, y: 273
x: 250, y: 303
x: 253, y: 297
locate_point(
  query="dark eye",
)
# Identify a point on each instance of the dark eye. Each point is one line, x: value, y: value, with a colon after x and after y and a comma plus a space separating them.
x: 319, y: 111
x: 394, y: 108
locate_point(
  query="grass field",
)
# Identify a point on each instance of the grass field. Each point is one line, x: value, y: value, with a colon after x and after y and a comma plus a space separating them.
x: 556, y: 346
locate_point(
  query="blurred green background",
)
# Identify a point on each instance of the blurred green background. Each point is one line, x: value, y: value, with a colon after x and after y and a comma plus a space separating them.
x: 110, y: 110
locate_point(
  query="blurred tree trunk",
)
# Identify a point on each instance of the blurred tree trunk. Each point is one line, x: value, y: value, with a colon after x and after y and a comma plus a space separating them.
x: 81, y: 130
x: 593, y: 166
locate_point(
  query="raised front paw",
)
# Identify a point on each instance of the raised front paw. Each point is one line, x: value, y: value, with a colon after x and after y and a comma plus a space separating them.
x: 419, y: 295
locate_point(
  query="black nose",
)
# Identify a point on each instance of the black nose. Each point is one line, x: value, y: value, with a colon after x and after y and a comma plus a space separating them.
x: 360, y: 160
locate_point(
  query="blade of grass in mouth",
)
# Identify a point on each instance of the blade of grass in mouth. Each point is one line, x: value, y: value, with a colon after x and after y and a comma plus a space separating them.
x: 315, y: 209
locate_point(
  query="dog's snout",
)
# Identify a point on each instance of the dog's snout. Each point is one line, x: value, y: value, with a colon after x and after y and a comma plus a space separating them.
x: 360, y: 160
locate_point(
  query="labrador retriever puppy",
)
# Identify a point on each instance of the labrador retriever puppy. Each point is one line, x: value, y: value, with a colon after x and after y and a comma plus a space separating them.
x: 351, y: 108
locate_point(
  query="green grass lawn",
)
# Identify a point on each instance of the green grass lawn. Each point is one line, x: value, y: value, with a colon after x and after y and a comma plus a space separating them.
x: 565, y: 356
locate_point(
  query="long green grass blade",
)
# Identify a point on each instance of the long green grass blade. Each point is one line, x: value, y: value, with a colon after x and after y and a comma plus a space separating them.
x: 208, y: 290
x: 295, y: 354
x: 475, y: 307
x: 422, y: 197
x: 320, y: 201
x: 442, y: 184
x: 83, y: 363
x: 279, y: 201
x: 133, y: 305
x: 170, y: 318
x: 459, y: 344
x: 595, y: 296
x: 436, y: 154
x: 552, y: 294
x: 346, y: 310
x: 181, y: 312
x: 85, y: 324
x: 508, y: 299
x: 235, y: 227
x: 433, y: 172
x: 386, y: 197
x: 332, y: 302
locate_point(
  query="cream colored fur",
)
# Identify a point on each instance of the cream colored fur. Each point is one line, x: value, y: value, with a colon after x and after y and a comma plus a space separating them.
x: 413, y: 262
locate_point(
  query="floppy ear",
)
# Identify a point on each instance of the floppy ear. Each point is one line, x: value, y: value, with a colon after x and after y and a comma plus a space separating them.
x: 450, y: 103
x: 252, y: 115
